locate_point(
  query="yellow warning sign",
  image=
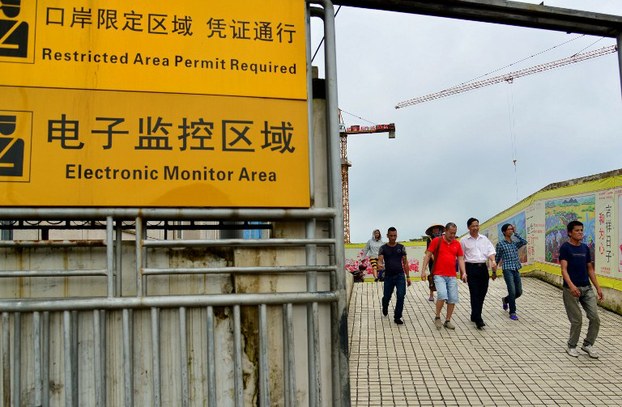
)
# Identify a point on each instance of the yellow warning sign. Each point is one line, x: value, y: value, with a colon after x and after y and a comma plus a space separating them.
x: 238, y: 47
x: 85, y: 148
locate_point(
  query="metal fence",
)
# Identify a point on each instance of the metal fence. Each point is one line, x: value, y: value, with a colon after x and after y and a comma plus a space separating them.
x: 83, y: 351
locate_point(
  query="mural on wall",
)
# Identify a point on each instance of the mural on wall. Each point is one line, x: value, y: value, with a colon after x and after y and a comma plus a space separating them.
x: 558, y: 213
x: 520, y: 228
x: 619, y: 233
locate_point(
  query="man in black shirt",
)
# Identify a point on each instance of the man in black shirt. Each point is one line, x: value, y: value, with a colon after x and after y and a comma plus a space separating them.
x: 392, y: 256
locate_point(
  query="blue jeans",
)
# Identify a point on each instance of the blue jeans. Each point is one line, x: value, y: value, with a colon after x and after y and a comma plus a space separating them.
x: 391, y: 282
x: 515, y: 288
x: 587, y: 299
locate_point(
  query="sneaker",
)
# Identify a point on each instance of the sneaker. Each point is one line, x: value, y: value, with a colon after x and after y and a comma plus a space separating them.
x: 505, y: 303
x: 514, y: 317
x: 398, y: 321
x: 448, y: 324
x: 590, y: 351
x: 431, y: 298
x: 437, y: 323
x: 572, y: 352
x: 480, y: 325
x: 385, y: 311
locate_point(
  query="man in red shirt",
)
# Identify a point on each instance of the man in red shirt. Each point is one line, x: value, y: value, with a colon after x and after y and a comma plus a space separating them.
x: 446, y: 250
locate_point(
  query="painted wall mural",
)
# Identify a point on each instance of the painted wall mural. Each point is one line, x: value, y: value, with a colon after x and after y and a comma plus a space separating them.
x: 520, y: 228
x: 558, y: 213
x: 542, y: 219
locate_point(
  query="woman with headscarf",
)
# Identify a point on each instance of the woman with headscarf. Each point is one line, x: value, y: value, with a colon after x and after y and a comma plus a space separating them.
x: 371, y: 251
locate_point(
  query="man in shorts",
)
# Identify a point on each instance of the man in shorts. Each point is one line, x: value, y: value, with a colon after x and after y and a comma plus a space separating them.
x: 446, y: 250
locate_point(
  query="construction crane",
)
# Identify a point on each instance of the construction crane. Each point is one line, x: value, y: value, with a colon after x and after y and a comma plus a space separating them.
x: 345, y: 164
x: 508, y: 77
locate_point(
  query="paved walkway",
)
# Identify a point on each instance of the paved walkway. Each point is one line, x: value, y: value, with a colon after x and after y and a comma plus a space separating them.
x: 509, y: 363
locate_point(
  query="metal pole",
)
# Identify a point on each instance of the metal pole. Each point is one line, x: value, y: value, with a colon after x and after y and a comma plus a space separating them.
x: 155, y: 350
x: 339, y: 317
x: 619, y: 41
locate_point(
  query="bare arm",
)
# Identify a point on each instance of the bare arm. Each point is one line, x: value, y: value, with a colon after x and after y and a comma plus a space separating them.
x: 493, y: 265
x: 491, y: 257
x: 462, y: 268
x: 592, y: 274
x: 406, y: 269
x: 426, y: 260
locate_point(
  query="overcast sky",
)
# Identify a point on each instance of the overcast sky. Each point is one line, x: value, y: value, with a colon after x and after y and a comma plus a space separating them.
x: 453, y: 157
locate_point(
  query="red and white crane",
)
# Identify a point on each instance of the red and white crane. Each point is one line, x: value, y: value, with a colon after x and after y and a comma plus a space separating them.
x: 344, y: 132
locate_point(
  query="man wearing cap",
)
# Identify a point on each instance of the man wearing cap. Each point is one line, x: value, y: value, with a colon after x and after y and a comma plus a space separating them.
x: 432, y: 232
x: 478, y: 250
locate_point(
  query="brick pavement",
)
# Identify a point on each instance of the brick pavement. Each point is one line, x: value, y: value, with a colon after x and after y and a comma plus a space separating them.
x: 509, y: 363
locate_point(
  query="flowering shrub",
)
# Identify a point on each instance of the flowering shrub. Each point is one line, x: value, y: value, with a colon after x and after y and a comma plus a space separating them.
x: 360, y: 263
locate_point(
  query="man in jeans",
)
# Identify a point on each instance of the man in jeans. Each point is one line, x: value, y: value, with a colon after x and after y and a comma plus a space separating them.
x: 507, y: 253
x: 577, y: 272
x: 446, y: 250
x: 392, y: 257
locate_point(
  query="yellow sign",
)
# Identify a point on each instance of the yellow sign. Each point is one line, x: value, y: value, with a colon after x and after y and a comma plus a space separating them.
x: 241, y: 47
x: 85, y: 148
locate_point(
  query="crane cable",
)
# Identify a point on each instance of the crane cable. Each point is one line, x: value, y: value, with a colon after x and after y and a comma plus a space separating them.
x: 322, y: 41
x: 529, y: 57
x: 512, y: 133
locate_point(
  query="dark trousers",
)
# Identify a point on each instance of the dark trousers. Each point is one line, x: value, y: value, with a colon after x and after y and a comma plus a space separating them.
x: 395, y: 282
x: 477, y: 278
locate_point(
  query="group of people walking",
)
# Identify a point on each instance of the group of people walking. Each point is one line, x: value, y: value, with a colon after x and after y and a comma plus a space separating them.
x: 447, y: 259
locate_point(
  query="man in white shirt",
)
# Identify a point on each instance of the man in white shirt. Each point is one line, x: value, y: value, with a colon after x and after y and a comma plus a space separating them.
x: 478, y: 251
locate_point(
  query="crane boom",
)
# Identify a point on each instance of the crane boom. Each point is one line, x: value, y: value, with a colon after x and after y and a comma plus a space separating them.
x: 508, y: 77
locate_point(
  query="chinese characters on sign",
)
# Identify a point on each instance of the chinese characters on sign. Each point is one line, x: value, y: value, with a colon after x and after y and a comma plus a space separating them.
x: 154, y: 103
x: 127, y: 19
x: 155, y: 133
x: 605, y: 248
x: 238, y: 48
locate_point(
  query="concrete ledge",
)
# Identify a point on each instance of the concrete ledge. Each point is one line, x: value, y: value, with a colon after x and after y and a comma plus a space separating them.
x: 612, y: 298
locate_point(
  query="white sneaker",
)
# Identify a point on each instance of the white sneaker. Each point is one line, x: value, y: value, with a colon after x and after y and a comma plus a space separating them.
x: 590, y: 351
x: 572, y: 352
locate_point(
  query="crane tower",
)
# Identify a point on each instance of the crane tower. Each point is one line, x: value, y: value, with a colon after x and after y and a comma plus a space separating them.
x: 345, y: 164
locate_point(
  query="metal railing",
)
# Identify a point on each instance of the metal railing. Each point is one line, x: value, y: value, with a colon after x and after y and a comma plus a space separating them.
x: 88, y: 327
